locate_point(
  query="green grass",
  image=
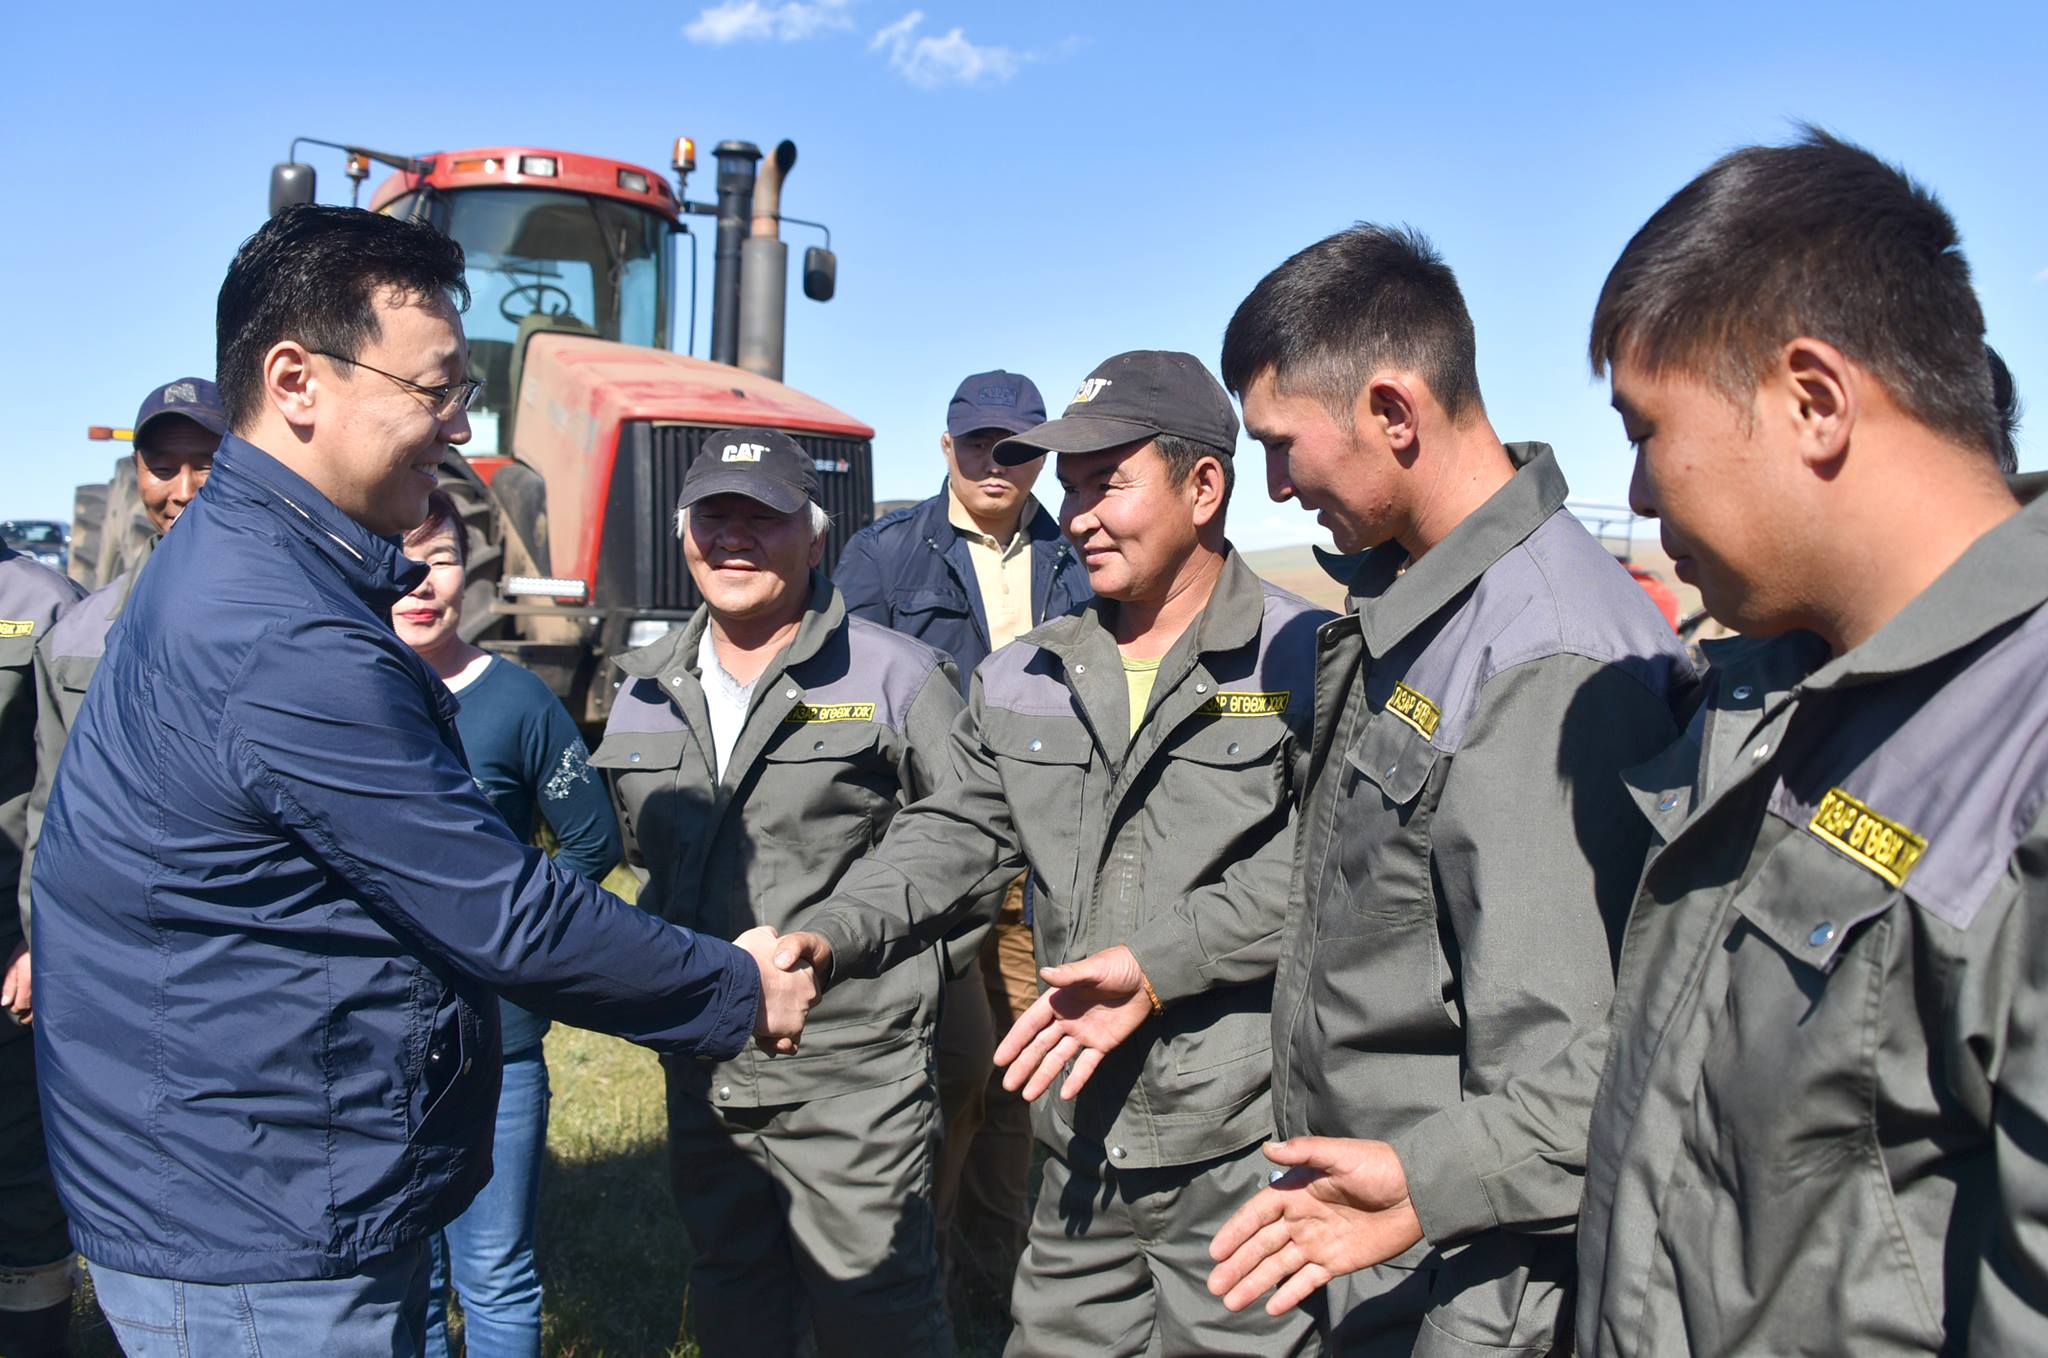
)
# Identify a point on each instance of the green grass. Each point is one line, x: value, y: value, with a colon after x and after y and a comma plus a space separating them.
x: 612, y: 1255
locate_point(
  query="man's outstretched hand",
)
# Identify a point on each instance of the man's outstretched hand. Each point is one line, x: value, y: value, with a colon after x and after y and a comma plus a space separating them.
x: 787, y: 993
x: 805, y: 950
x: 1093, y: 1005
x: 17, y: 992
x: 1343, y: 1206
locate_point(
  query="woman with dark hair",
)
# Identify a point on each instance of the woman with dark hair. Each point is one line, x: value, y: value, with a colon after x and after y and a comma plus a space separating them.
x: 526, y: 754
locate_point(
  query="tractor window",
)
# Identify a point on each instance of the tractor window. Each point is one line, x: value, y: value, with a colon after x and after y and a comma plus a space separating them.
x: 581, y: 261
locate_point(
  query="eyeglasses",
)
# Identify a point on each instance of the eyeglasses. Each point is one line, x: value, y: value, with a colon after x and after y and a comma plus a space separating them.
x: 447, y: 399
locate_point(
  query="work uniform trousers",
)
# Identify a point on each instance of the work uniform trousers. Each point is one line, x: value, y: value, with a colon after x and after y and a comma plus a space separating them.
x: 817, y: 1212
x: 1118, y: 1264
x: 992, y: 1205
x: 35, y: 1245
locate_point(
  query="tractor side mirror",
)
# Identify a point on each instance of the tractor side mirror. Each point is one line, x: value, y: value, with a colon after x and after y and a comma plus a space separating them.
x: 291, y: 183
x: 821, y: 273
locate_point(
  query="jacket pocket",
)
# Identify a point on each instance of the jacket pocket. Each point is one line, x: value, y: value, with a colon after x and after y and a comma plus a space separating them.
x: 1806, y: 1003
x: 824, y: 781
x: 17, y: 653
x: 643, y: 768
x: 1044, y: 764
x: 1389, y: 783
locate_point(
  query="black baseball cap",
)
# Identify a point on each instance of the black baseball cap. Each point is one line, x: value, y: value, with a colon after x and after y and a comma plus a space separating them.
x: 761, y: 464
x: 1134, y: 396
x: 995, y: 400
x: 194, y: 398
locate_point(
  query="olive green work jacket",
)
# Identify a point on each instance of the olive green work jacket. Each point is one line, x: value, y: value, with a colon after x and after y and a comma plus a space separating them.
x: 1175, y: 841
x: 1823, y: 1125
x: 847, y: 725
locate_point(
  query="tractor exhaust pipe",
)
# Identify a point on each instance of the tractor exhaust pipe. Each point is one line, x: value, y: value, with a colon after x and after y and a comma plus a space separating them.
x: 764, y: 270
x: 736, y: 160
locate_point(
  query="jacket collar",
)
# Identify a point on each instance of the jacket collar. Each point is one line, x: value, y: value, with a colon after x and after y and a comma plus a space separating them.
x: 1393, y: 596
x: 823, y: 614
x: 2003, y: 576
x: 374, y: 567
x: 1229, y: 620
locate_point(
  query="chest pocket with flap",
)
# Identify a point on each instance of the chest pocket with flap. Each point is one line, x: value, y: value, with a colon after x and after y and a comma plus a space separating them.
x: 823, y: 780
x: 1044, y: 762
x: 1384, y: 808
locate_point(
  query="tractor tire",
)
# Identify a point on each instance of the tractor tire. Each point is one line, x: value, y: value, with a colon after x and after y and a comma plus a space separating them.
x: 126, y: 532
x: 88, y: 513
x: 109, y: 531
x: 485, y: 565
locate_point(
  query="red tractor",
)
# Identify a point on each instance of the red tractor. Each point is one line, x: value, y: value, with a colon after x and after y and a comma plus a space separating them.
x: 588, y: 417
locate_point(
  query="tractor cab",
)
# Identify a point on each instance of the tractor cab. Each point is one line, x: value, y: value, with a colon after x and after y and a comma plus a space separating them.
x: 554, y: 242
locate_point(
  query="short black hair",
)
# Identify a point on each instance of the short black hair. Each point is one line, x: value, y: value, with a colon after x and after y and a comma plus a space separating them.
x: 1181, y: 455
x: 312, y: 274
x: 2005, y: 399
x: 1349, y: 304
x: 1818, y: 238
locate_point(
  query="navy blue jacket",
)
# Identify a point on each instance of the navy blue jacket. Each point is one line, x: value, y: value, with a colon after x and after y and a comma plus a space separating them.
x: 910, y: 570
x: 274, y: 908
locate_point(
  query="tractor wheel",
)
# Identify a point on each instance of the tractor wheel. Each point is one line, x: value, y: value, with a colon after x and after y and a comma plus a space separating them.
x: 486, y: 563
x: 126, y: 531
x: 88, y: 513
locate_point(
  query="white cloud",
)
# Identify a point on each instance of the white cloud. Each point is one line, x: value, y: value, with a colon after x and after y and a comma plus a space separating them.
x: 753, y: 20
x: 2041, y: 277
x: 928, y: 62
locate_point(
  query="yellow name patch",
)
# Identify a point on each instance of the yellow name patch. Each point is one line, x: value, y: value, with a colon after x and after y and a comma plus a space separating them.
x: 1418, y: 711
x: 1245, y: 705
x: 803, y: 714
x: 1884, y: 846
x: 10, y: 627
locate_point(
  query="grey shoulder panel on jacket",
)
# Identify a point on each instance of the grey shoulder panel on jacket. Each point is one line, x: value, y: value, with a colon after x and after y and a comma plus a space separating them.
x: 1287, y: 642
x: 878, y: 665
x: 1942, y: 796
x: 32, y: 592
x: 1556, y: 593
x: 82, y: 630
x: 1026, y: 678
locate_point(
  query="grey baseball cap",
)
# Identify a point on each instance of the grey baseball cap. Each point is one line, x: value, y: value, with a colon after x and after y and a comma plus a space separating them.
x: 1134, y: 396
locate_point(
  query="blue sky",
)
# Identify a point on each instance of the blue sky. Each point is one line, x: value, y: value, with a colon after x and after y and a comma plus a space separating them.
x: 1026, y: 186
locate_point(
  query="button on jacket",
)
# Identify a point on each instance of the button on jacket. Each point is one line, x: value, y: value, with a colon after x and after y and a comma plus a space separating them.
x: 1174, y: 840
x: 274, y: 910
x: 32, y: 597
x: 1467, y: 858
x: 848, y: 724
x: 66, y: 656
x: 1824, y: 1122
x: 911, y: 570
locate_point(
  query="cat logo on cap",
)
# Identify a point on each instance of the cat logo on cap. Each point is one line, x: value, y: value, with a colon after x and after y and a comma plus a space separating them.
x: 1090, y: 389
x: 743, y: 452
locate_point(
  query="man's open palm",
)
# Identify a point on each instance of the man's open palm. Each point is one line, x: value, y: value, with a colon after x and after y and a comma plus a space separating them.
x: 1341, y: 1206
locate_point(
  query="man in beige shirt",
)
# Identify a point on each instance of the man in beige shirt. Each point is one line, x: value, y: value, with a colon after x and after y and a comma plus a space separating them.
x: 968, y: 571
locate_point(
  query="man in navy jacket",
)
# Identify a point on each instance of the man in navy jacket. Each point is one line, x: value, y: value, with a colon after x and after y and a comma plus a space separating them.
x: 967, y: 572
x: 274, y: 908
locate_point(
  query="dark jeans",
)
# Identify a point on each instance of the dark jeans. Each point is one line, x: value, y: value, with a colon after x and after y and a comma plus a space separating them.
x: 380, y: 1312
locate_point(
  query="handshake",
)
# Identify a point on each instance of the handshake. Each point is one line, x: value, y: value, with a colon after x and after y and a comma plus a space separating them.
x: 790, y: 970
